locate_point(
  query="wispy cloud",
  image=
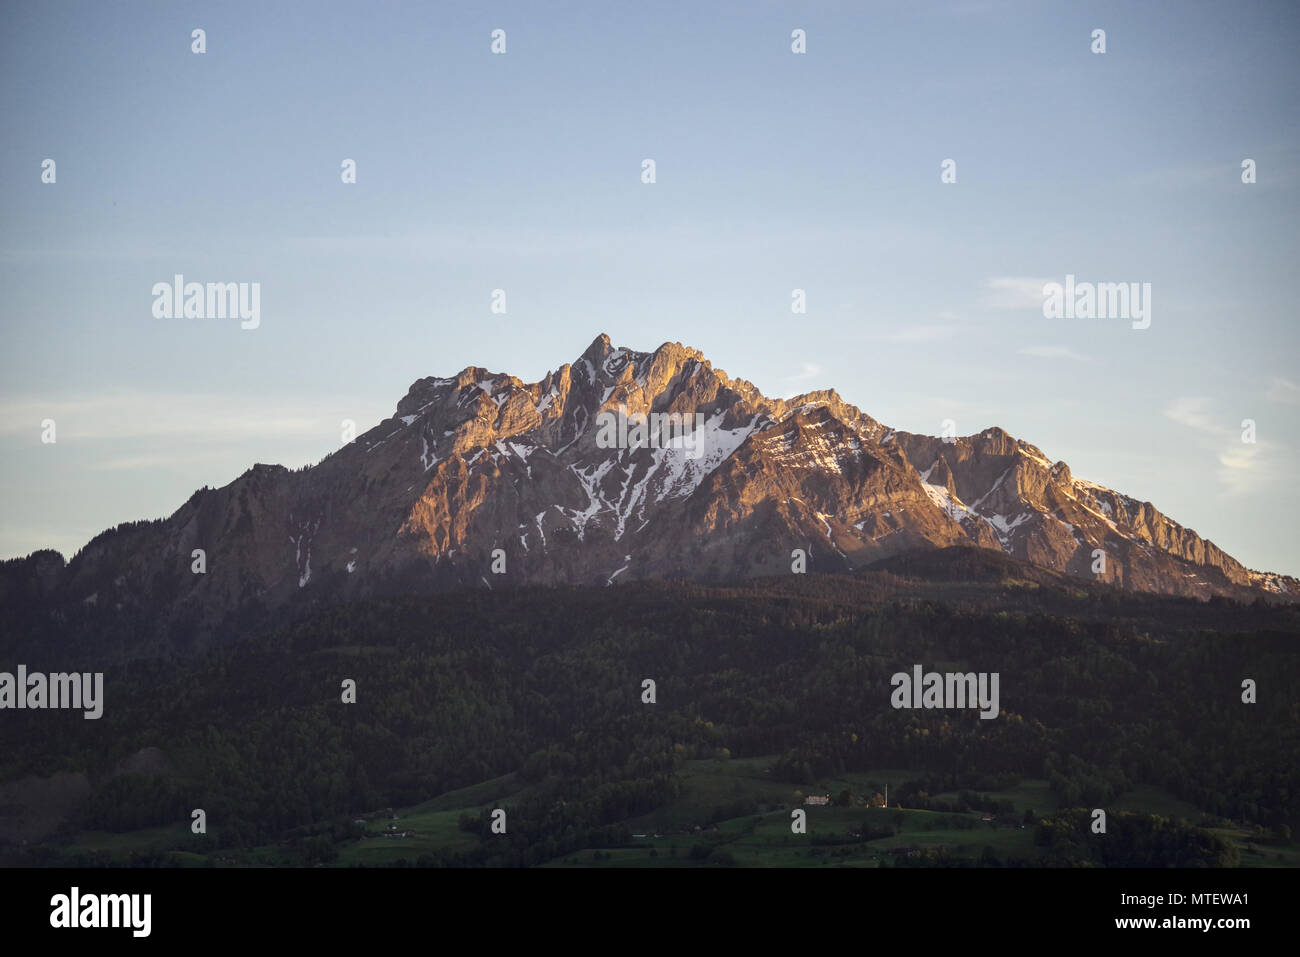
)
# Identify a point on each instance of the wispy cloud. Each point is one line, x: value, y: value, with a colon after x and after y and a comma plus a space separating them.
x: 1013, y: 292
x: 921, y: 334
x: 1276, y: 171
x: 1283, y: 392
x: 949, y: 323
x: 1237, y: 462
x: 231, y: 417
x: 1053, y: 352
x: 810, y: 371
x: 1244, y: 467
x: 1190, y: 411
x: 160, y: 460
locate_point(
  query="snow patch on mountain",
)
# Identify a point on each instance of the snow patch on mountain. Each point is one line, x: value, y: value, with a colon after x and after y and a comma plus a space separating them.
x: 950, y: 504
x: 428, y: 458
x: 591, y: 481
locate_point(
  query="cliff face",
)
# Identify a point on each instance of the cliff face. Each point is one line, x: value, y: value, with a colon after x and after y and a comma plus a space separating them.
x: 483, y: 462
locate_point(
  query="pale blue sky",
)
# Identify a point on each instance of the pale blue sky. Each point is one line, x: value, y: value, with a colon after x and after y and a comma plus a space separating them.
x: 775, y: 171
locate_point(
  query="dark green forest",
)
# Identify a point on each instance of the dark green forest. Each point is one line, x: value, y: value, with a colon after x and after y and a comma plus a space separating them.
x: 1101, y: 692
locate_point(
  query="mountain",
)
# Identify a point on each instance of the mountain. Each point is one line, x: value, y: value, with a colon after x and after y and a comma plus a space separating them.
x: 482, y: 462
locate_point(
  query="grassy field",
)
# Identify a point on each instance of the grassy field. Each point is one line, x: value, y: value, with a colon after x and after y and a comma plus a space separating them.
x: 427, y: 830
x: 1257, y: 853
x: 764, y: 838
x: 433, y: 825
x: 730, y: 813
x: 1155, y: 801
x: 107, y: 842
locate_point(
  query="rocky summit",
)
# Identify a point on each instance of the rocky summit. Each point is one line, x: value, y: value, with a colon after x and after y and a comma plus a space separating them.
x: 483, y: 481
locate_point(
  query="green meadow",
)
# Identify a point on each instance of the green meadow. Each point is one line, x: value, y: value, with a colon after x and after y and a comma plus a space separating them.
x: 729, y: 813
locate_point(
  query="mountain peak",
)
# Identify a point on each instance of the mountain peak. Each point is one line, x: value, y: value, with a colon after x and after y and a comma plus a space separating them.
x: 600, y: 347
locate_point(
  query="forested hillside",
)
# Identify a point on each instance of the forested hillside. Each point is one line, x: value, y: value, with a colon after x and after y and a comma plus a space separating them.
x: 1101, y: 693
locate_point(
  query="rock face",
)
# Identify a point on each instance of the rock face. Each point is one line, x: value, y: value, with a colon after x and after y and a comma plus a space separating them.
x: 483, y: 462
